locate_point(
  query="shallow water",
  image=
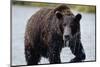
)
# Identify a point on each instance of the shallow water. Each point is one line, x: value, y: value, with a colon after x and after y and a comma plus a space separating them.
x: 21, y: 14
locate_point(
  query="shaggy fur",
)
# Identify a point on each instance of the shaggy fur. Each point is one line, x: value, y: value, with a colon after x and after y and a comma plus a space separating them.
x: 43, y: 36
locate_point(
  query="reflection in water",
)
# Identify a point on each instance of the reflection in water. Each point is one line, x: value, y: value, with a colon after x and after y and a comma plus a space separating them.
x: 21, y: 14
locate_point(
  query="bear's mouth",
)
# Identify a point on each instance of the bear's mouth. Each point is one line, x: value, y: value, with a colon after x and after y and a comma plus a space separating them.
x: 66, y: 43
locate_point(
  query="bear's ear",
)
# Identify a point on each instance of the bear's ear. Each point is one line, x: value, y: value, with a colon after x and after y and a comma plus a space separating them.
x: 59, y: 15
x: 78, y: 17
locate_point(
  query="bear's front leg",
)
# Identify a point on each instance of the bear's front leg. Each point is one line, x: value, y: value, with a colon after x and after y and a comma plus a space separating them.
x: 32, y: 57
x: 78, y: 50
x: 54, y: 55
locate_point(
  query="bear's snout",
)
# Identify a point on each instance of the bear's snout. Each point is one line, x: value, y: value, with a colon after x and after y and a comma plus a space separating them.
x: 67, y: 37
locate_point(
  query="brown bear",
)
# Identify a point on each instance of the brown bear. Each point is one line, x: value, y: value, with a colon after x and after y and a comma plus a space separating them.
x: 51, y: 29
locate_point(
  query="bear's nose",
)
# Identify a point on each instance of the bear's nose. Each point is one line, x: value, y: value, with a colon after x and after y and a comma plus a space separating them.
x: 67, y: 37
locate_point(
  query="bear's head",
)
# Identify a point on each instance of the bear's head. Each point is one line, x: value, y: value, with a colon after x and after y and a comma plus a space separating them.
x: 69, y: 25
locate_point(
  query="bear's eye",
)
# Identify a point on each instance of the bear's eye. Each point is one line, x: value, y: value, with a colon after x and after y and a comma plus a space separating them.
x: 72, y: 24
x: 64, y: 24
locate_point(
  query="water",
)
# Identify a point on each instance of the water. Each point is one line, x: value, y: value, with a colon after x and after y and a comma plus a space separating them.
x: 21, y: 14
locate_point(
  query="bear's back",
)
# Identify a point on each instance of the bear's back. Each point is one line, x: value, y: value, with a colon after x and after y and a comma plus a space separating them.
x: 36, y: 22
x: 38, y: 17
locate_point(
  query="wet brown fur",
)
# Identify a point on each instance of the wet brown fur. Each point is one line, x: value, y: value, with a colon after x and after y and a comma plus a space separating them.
x: 41, y: 22
x: 43, y: 36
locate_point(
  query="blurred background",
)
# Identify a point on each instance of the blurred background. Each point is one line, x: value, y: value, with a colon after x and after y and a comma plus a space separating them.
x: 81, y: 8
x: 23, y: 10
